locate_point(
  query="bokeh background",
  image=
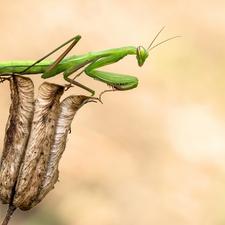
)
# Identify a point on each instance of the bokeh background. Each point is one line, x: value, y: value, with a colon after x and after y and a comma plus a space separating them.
x: 153, y: 155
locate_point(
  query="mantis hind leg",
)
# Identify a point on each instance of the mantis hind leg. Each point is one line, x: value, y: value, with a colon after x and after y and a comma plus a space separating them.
x: 50, y: 71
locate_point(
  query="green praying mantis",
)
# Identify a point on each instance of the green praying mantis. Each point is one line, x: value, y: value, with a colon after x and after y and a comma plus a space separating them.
x: 92, y: 61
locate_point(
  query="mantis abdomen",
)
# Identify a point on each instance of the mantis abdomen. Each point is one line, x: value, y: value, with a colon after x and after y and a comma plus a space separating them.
x: 19, y: 66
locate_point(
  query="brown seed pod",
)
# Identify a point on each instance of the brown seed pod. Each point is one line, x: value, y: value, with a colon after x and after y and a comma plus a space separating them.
x: 67, y: 110
x: 16, y: 134
x: 37, y: 153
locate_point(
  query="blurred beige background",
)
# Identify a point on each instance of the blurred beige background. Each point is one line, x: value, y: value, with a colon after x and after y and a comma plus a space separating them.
x: 153, y: 155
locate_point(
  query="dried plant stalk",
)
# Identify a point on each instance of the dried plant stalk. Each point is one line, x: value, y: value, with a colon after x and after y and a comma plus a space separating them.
x: 67, y: 110
x: 16, y: 134
x: 38, y: 149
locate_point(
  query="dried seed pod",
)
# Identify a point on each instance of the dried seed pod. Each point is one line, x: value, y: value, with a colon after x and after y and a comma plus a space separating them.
x: 16, y: 134
x: 37, y: 153
x: 67, y: 110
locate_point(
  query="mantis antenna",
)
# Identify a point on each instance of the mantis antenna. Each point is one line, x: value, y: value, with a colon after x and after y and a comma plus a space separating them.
x: 150, y: 48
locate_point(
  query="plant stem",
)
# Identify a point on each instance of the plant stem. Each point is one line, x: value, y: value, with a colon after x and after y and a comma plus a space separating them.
x: 9, y: 213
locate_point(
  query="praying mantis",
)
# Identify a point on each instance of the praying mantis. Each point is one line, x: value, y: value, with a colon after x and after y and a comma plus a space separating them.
x: 92, y: 61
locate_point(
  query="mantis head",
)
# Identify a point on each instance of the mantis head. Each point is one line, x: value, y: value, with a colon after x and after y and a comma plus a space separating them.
x: 142, y: 53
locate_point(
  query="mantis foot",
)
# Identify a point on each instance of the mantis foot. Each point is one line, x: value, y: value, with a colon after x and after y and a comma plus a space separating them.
x: 105, y: 92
